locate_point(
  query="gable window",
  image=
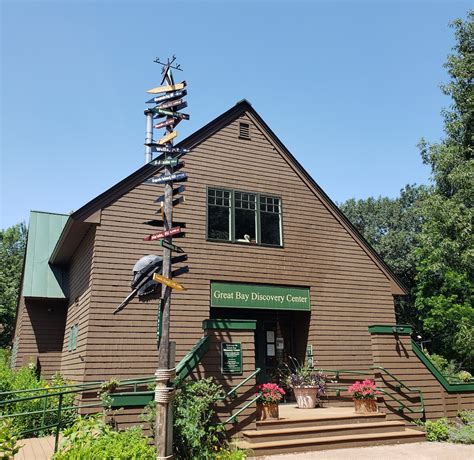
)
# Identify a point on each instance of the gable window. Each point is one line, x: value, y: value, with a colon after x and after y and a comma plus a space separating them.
x: 243, y: 217
x: 218, y: 214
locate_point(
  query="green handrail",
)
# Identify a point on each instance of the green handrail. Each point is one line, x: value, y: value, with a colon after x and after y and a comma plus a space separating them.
x: 366, y: 372
x: 233, y: 417
x: 402, y: 406
x: 233, y: 392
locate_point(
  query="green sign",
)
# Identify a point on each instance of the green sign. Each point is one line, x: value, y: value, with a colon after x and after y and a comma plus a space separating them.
x: 259, y: 296
x: 231, y: 358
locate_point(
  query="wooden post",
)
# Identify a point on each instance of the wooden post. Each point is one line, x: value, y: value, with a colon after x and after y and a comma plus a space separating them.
x: 163, y: 414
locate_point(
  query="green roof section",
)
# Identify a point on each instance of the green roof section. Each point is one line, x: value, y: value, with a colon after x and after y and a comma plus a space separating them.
x: 39, y: 278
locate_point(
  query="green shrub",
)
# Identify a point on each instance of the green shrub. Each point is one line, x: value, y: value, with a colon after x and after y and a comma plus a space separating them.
x: 466, y: 416
x: 463, y: 434
x: 197, y: 435
x: 464, y: 376
x: 460, y: 430
x: 437, y: 430
x: 91, y: 438
x: 8, y: 441
x: 26, y: 379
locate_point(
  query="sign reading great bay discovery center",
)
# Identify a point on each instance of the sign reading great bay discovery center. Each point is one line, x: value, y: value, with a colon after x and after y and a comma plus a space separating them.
x: 236, y: 295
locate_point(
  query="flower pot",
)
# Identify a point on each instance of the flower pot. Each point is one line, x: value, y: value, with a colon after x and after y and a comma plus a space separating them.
x: 306, y: 397
x: 365, y: 406
x: 267, y: 411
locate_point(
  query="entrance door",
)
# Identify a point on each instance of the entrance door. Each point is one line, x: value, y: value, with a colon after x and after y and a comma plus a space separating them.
x: 273, y: 344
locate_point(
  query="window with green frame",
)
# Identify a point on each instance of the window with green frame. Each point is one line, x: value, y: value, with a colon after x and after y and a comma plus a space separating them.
x: 244, y: 217
x: 72, y: 342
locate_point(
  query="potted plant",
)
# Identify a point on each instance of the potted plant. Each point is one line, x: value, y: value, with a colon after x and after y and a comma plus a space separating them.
x: 308, y: 385
x: 270, y: 394
x: 364, y: 395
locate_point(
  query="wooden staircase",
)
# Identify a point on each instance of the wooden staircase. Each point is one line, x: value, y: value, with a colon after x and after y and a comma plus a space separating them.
x: 305, y: 430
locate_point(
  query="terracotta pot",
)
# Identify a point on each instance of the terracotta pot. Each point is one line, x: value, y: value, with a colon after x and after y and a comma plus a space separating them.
x: 365, y: 406
x: 267, y: 411
x: 306, y: 397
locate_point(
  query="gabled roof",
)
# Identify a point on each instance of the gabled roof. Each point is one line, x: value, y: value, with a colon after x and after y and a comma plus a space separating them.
x: 80, y: 221
x: 39, y: 278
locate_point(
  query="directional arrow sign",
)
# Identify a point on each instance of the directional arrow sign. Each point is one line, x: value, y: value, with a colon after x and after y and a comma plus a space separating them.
x: 177, y: 190
x: 179, y: 259
x: 168, y: 122
x: 163, y: 234
x: 169, y: 137
x: 171, y: 247
x: 169, y: 113
x: 167, y: 282
x: 166, y: 162
x: 176, y: 177
x: 167, y: 97
x: 166, y: 149
x: 167, y: 88
x: 160, y: 223
x: 180, y: 271
x: 167, y: 105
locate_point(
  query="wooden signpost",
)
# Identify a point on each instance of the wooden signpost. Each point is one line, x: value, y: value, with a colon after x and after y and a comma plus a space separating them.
x: 168, y: 104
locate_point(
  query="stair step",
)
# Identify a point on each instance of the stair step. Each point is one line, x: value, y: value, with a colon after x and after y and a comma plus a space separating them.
x: 320, y: 421
x: 281, y: 434
x: 332, y: 442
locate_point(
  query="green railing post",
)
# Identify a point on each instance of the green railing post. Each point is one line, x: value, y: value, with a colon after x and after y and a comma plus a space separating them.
x: 58, y: 426
x: 45, y: 406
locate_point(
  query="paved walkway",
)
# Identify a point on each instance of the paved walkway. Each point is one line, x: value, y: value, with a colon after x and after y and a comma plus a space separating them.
x: 411, y: 451
x: 36, y: 449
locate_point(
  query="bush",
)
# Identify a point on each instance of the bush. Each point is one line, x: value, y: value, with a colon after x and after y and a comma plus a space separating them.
x: 90, y: 437
x: 197, y: 435
x: 464, y: 376
x: 8, y: 442
x: 466, y: 416
x: 458, y: 431
x: 463, y: 434
x: 437, y: 430
x: 26, y: 379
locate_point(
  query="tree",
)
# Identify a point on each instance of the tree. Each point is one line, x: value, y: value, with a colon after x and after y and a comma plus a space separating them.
x: 391, y: 226
x: 12, y: 252
x: 444, y: 281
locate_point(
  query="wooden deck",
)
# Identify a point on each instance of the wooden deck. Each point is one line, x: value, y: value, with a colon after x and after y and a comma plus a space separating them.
x: 36, y: 449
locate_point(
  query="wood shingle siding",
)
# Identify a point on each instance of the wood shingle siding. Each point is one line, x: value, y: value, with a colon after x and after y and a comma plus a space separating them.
x: 348, y: 291
x: 78, y: 311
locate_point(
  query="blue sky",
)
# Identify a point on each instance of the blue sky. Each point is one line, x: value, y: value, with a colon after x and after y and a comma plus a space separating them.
x: 349, y: 87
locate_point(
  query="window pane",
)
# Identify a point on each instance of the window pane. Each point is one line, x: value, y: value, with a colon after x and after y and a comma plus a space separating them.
x: 218, y: 223
x: 270, y: 228
x: 245, y: 225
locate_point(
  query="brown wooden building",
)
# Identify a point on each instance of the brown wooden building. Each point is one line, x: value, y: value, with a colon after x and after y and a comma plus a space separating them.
x: 266, y: 248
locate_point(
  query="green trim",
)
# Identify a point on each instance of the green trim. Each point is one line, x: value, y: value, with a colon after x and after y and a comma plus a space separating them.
x: 140, y: 399
x: 399, y: 329
x: 191, y: 360
x: 449, y: 387
x: 234, y: 324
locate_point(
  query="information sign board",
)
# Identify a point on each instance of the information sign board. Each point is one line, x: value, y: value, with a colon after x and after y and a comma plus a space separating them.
x: 231, y: 358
